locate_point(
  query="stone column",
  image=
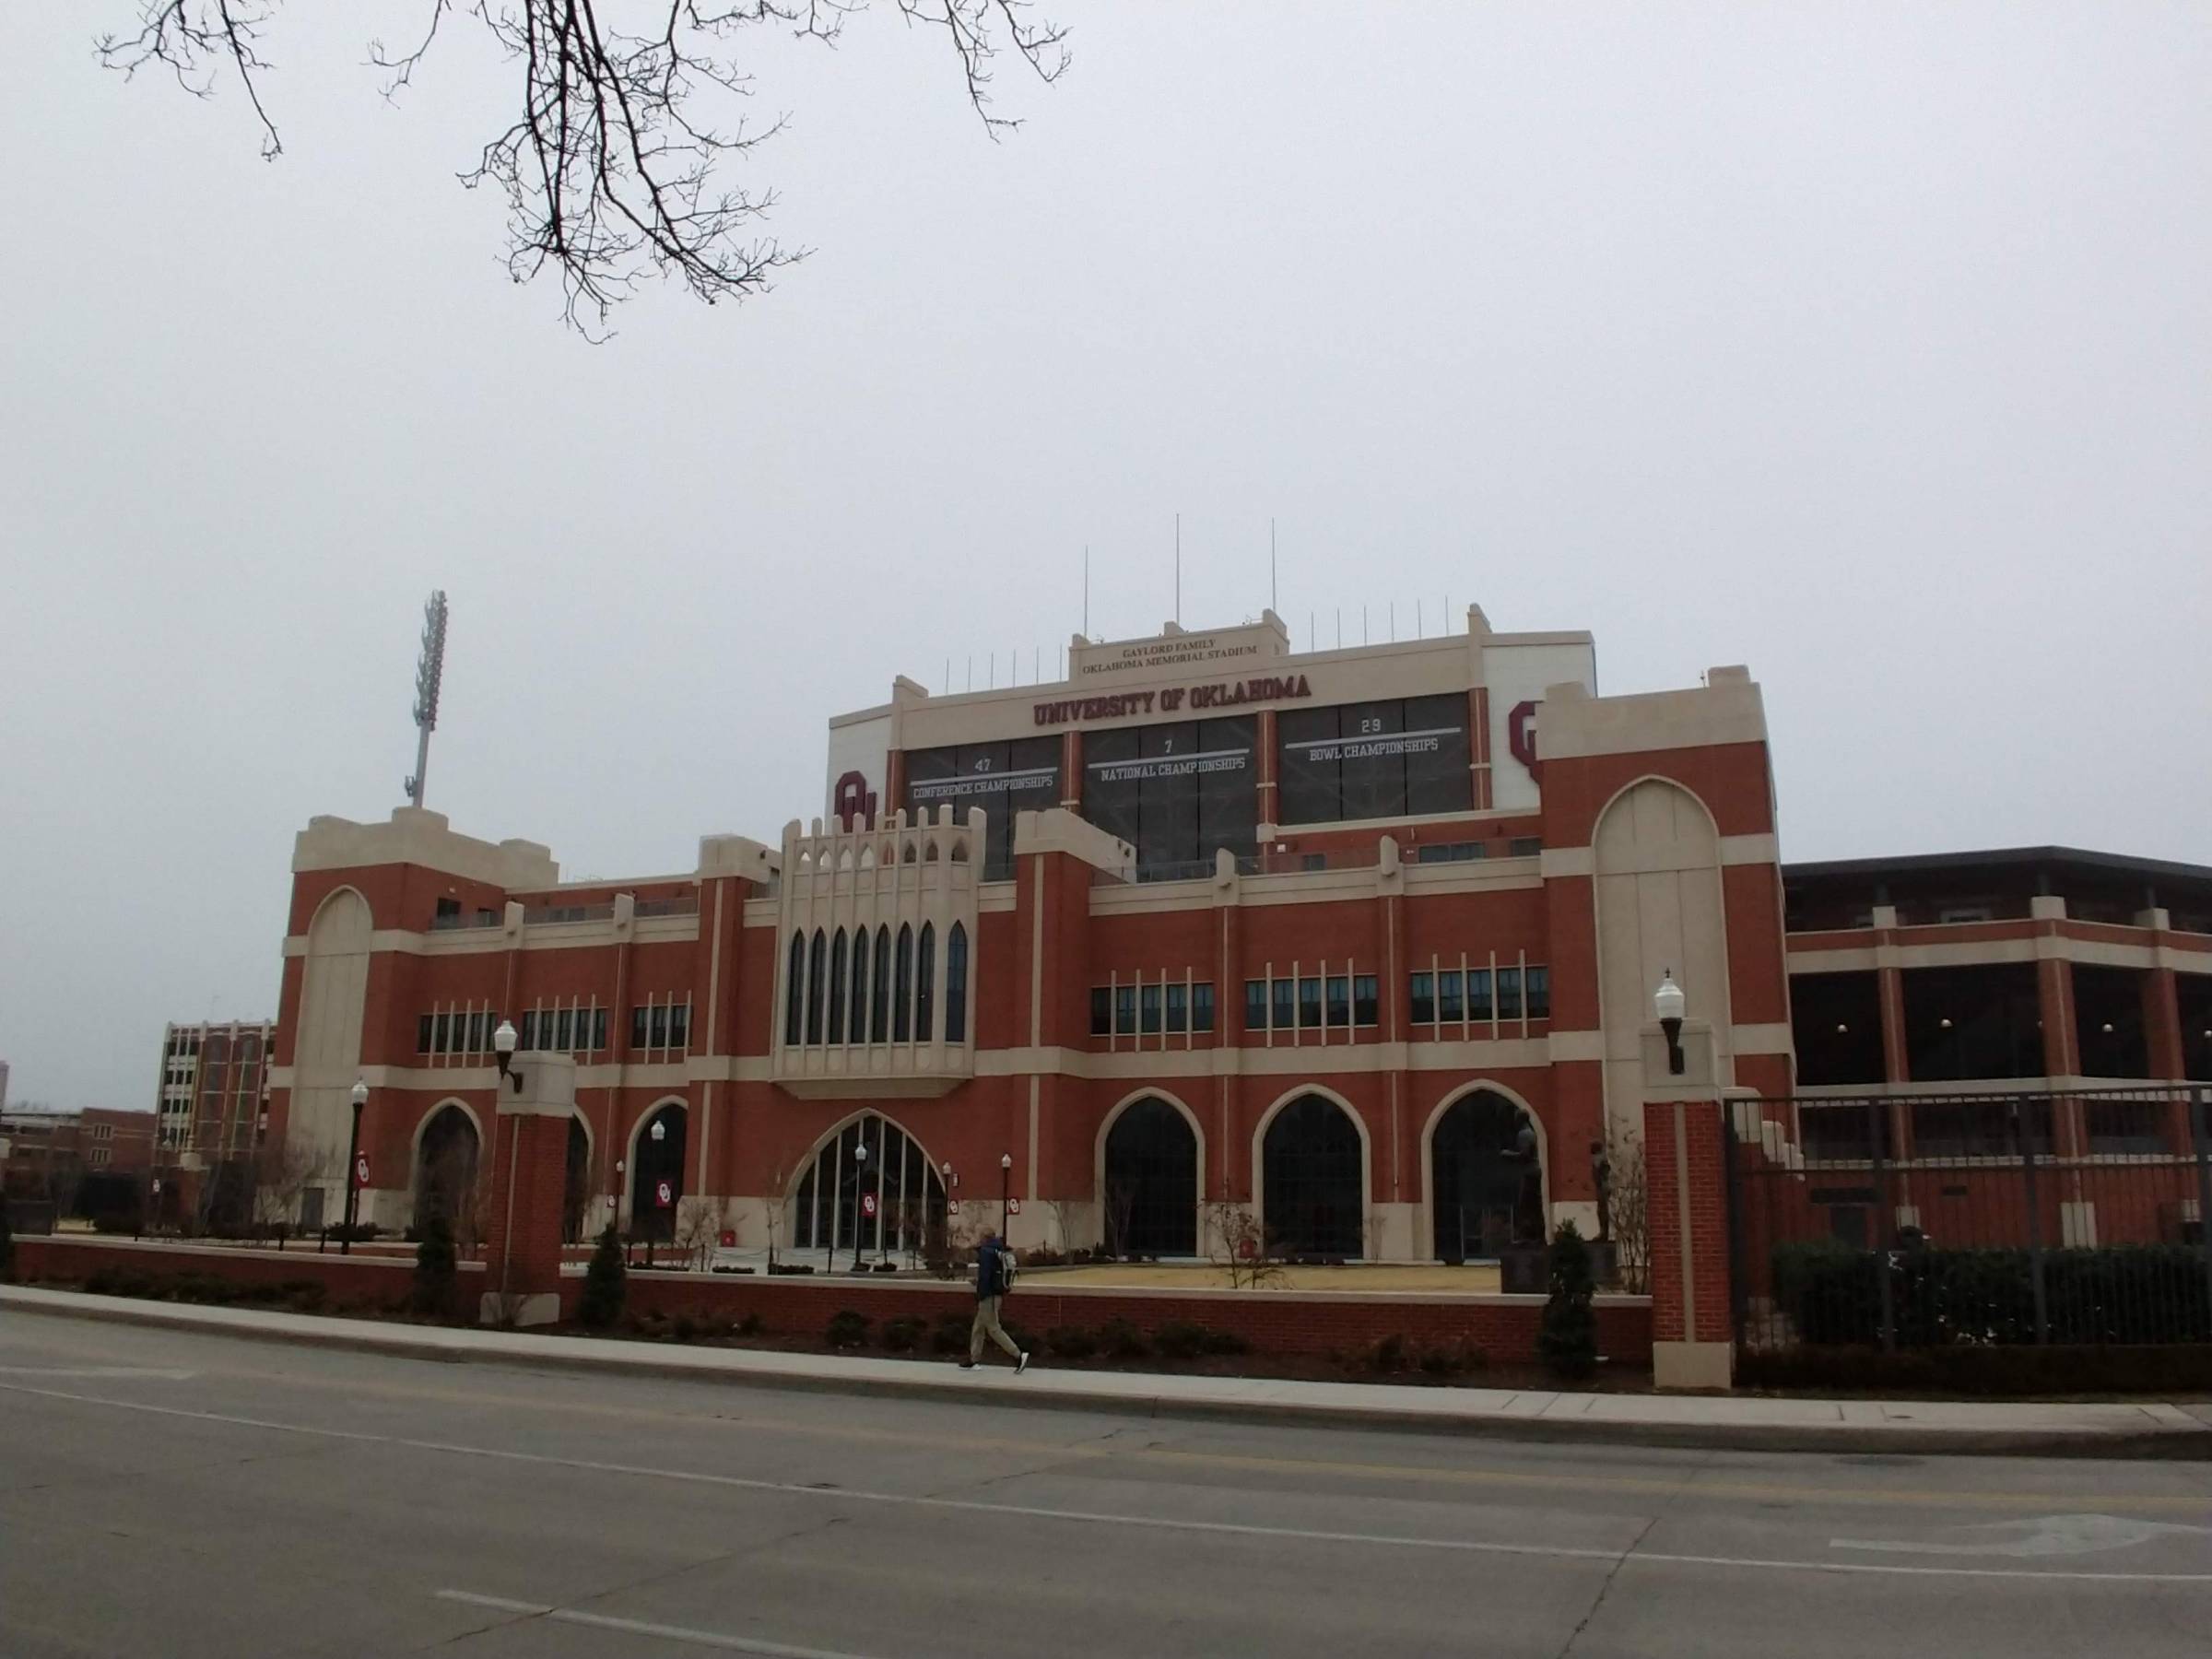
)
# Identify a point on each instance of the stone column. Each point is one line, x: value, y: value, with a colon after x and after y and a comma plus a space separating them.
x: 529, y: 1178
x: 1685, y: 1174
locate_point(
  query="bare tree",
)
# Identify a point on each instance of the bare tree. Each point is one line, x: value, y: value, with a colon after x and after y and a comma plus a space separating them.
x: 611, y: 155
x: 1113, y: 1220
x: 776, y: 1203
x: 1239, y: 1246
x: 1628, y: 1212
x: 286, y: 1169
x: 698, y: 1231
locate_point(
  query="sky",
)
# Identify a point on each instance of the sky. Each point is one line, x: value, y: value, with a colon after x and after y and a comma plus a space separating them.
x: 1870, y: 346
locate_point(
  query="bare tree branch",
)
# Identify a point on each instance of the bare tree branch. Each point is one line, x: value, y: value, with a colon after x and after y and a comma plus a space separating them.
x: 611, y: 165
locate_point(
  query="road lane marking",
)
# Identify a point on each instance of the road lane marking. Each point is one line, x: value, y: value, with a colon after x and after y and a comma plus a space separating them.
x: 104, y: 1372
x: 635, y: 1626
x: 1101, y: 1518
x: 2044, y: 1535
x: 1691, y: 1484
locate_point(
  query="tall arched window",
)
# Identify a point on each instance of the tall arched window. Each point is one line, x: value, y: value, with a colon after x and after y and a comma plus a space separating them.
x: 795, y: 991
x: 837, y: 987
x: 902, y: 985
x: 879, y: 1020
x: 829, y: 1207
x: 815, y: 966
x: 925, y: 983
x: 860, y: 985
x: 955, y: 985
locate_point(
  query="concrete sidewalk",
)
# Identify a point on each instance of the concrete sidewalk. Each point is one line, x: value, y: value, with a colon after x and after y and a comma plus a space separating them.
x: 1742, y: 1422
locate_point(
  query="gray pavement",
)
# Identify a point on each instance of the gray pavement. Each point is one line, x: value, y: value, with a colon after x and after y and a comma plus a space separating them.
x: 177, y: 1492
x: 2107, y: 1429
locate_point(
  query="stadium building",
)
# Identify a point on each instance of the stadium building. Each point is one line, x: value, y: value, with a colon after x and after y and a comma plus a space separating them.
x: 1358, y: 942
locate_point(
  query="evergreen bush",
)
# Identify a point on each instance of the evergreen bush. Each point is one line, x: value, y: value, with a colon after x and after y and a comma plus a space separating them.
x: 1566, y: 1340
x: 436, y: 1267
x: 605, y: 1284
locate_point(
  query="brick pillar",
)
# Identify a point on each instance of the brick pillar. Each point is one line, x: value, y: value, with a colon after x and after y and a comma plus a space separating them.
x: 2162, y: 1033
x: 1685, y: 1153
x: 529, y: 1178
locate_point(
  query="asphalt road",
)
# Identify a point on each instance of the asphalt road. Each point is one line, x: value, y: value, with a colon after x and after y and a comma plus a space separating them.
x: 185, y: 1495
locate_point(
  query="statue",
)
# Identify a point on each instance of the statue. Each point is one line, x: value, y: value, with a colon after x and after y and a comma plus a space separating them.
x: 1601, y: 1177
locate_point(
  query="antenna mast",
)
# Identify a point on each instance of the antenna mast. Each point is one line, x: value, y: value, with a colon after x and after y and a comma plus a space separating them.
x: 1179, y: 569
x: 430, y: 670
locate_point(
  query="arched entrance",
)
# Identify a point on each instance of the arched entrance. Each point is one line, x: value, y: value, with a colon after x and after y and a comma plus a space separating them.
x: 1150, y: 1198
x: 446, y: 1155
x: 1314, y: 1182
x: 659, y: 1158
x: 1487, y: 1181
x: 578, y: 1191
x: 830, y: 1207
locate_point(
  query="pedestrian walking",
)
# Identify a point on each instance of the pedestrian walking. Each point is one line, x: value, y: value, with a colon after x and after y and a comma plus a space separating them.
x: 993, y: 1278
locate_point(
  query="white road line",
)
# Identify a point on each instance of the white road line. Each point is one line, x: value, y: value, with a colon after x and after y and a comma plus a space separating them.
x: 102, y: 1372
x: 635, y: 1626
x: 1158, y: 1523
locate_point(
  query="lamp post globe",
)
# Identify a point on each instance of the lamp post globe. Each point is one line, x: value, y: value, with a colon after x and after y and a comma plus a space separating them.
x: 1006, y: 1185
x: 1668, y: 1004
x: 503, y: 1041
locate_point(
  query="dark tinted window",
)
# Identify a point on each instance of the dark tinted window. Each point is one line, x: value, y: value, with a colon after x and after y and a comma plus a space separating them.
x: 1386, y: 759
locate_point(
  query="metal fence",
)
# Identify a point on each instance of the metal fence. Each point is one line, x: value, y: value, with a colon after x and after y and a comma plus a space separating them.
x: 1917, y: 1221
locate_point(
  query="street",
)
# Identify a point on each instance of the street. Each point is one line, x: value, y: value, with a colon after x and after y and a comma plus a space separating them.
x: 190, y: 1495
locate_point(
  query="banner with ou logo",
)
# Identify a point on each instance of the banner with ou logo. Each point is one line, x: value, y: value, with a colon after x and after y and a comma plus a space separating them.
x: 663, y: 1194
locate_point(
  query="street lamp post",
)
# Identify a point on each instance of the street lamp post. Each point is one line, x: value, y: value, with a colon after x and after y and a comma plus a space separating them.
x: 859, y: 1197
x: 1006, y: 1185
x: 657, y: 1134
x: 353, y: 1165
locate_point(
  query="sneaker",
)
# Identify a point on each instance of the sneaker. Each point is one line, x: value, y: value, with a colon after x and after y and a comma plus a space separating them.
x: 1021, y: 1364
x: 967, y: 1365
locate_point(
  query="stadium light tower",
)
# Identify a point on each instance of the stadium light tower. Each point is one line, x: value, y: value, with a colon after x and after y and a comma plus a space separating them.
x: 429, y: 668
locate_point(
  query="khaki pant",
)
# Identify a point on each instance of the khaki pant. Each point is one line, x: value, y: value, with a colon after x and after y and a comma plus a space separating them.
x: 986, y: 1324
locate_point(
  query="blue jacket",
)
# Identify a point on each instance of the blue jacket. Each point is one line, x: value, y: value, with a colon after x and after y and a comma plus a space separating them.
x: 991, y: 1270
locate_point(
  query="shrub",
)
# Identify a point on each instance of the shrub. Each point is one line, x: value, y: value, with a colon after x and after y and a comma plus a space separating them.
x: 1388, y: 1354
x: 951, y: 1333
x: 901, y: 1336
x: 685, y: 1328
x: 605, y: 1284
x: 1123, y: 1340
x: 1044, y: 1256
x: 1179, y: 1340
x: 848, y: 1329
x: 7, y: 1244
x: 1226, y: 1342
x: 1071, y: 1341
x: 435, y: 1270
x: 1567, y: 1339
x: 2129, y: 1294
x: 749, y: 1325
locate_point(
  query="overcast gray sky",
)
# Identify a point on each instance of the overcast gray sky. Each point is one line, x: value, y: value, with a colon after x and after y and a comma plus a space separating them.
x: 1870, y: 346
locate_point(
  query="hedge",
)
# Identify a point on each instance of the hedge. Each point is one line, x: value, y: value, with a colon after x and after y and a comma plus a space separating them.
x: 2124, y: 1294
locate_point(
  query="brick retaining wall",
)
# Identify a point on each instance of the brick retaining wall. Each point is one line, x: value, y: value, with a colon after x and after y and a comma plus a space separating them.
x: 1272, y: 1322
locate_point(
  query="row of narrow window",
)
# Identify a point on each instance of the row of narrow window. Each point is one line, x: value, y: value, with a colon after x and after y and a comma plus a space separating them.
x: 1311, y: 1002
x: 864, y: 988
x: 1147, y: 1010
x: 660, y: 1025
x: 1452, y: 996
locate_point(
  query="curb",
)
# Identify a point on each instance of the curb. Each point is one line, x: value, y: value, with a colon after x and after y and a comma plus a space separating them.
x: 2186, y: 1440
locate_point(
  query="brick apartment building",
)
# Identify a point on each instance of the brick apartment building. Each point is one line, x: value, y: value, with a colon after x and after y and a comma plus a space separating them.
x: 1360, y: 942
x: 47, y: 1156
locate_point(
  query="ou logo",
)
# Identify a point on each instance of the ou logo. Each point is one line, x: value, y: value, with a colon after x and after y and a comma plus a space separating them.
x: 1520, y: 737
x: 854, y: 799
